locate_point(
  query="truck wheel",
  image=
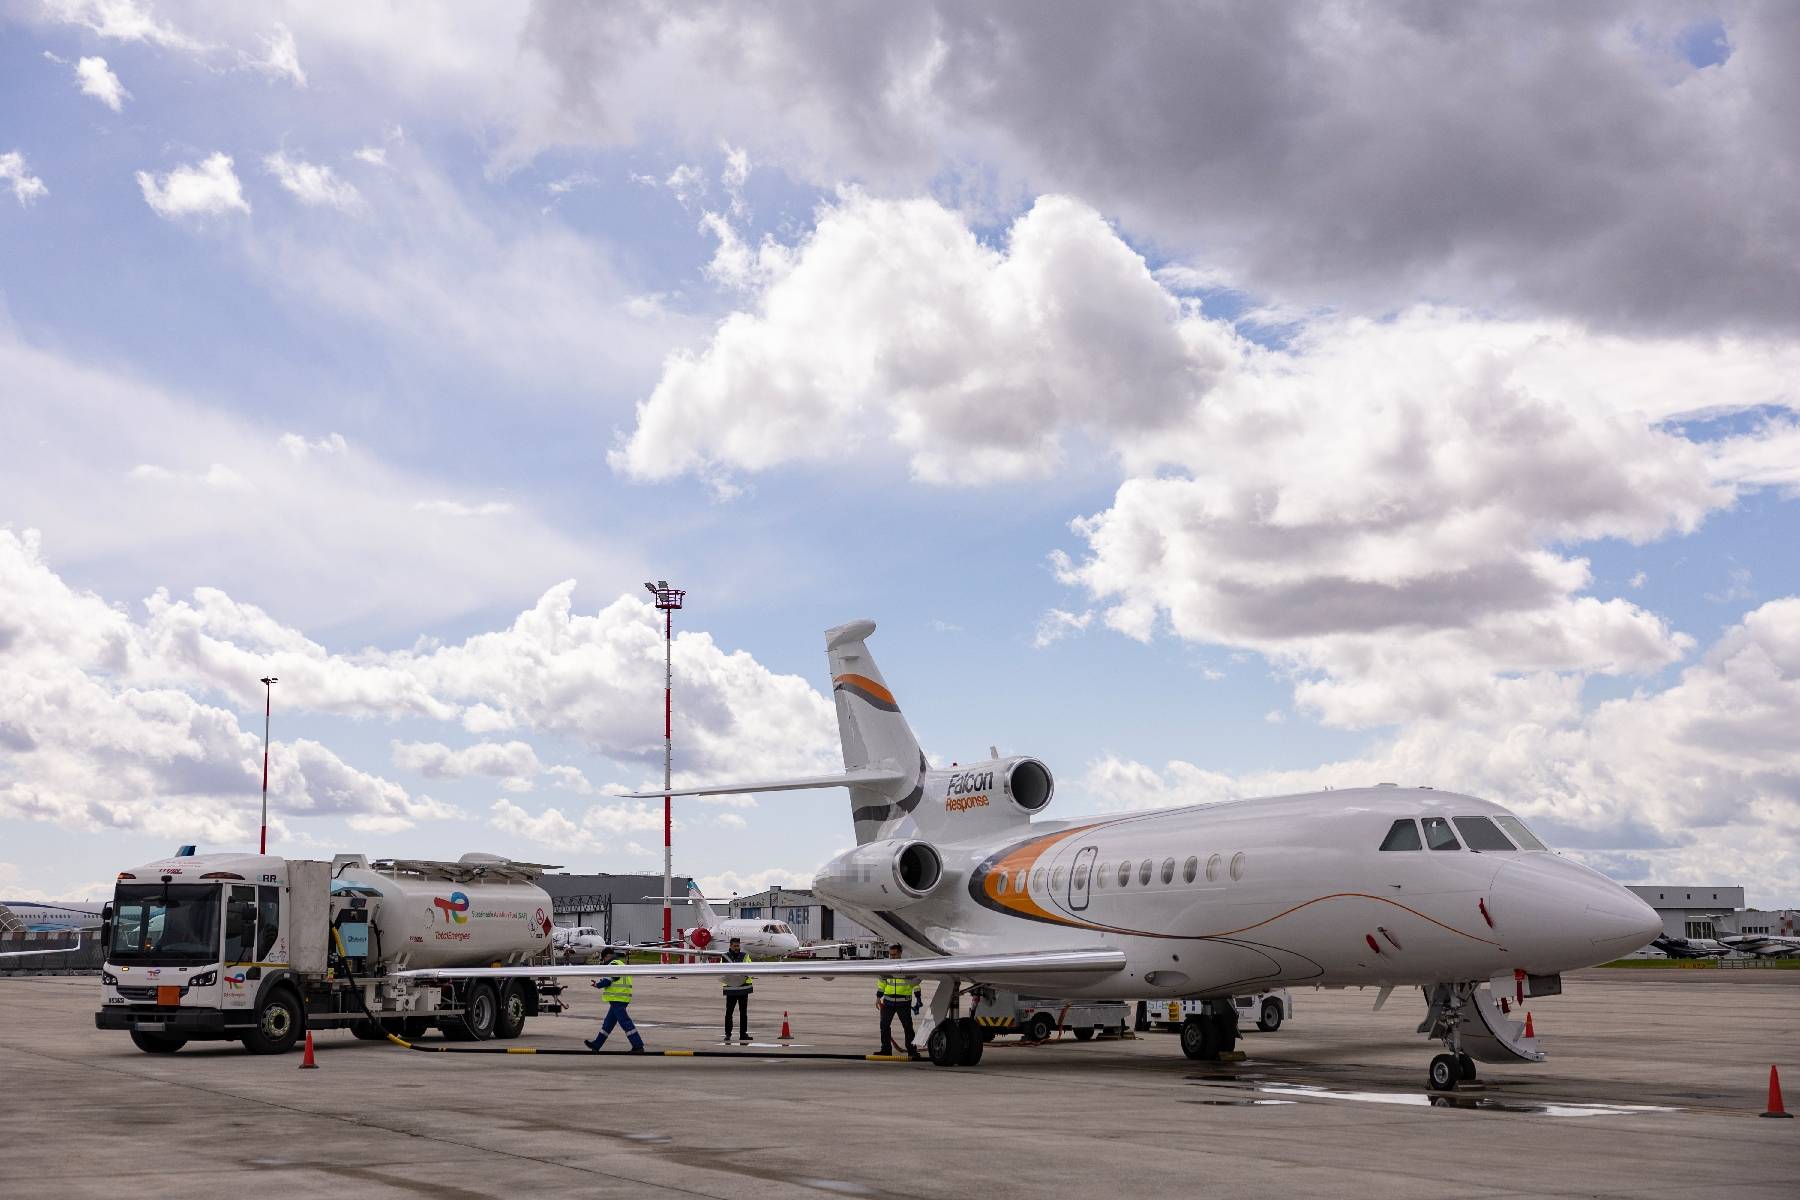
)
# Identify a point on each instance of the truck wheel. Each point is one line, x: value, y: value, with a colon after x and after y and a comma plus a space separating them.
x: 481, y: 1008
x: 1083, y: 1034
x: 278, y: 1024
x: 1039, y: 1028
x: 511, y: 1021
x: 414, y: 1028
x: 367, y: 1031
x: 1199, y: 1039
x: 157, y: 1043
x: 1271, y: 1016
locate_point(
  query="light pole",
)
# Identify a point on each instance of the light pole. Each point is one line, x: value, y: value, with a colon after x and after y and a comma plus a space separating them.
x: 668, y: 600
x: 268, y: 682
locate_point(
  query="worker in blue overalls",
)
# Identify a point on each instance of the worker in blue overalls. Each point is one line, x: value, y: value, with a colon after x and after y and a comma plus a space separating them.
x: 616, y: 991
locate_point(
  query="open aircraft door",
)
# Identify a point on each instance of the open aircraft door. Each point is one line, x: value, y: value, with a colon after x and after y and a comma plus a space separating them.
x: 1080, y: 878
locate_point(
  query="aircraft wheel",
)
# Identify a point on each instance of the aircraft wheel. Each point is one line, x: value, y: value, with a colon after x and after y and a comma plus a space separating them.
x: 511, y: 1021
x: 1085, y: 1033
x: 1465, y: 1067
x: 944, y: 1046
x: 157, y: 1043
x: 1271, y: 1016
x: 1444, y: 1073
x: 972, y: 1045
x: 1039, y: 1028
x: 1200, y: 1039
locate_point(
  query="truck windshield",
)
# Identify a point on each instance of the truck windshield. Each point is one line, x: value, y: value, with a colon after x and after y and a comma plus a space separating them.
x: 174, y: 924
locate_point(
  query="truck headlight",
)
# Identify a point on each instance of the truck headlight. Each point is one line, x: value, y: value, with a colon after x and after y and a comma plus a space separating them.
x: 205, y: 979
x: 109, y: 979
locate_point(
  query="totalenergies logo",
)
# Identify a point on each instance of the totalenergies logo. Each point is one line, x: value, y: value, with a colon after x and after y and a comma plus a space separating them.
x: 235, y: 979
x: 456, y: 908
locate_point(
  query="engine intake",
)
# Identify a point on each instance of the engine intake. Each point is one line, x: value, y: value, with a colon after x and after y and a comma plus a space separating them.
x: 1029, y: 784
x: 887, y: 874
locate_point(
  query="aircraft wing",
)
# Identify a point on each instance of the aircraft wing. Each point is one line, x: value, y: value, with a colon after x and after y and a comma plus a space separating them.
x: 57, y: 950
x: 960, y: 966
x: 841, y: 779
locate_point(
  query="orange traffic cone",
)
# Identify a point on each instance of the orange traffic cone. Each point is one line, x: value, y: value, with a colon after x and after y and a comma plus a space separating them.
x: 307, y: 1059
x: 1775, y: 1108
x: 785, y: 1035
x: 1528, y: 1030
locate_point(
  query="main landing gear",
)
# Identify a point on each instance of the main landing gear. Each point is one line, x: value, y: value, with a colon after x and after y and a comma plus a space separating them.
x: 1205, y: 1036
x: 954, y: 1040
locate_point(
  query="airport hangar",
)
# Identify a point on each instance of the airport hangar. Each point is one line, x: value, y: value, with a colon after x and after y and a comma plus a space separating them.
x: 1694, y: 911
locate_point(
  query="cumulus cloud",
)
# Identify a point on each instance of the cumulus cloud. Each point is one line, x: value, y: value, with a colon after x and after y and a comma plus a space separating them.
x: 314, y: 184
x: 97, y: 80
x: 513, y: 760
x: 1697, y: 780
x: 99, y: 733
x: 206, y: 188
x: 1378, y: 505
x: 601, y: 827
x: 280, y: 58
x: 891, y: 323
x: 25, y: 186
x: 301, y: 448
x: 121, y: 20
x: 1057, y: 624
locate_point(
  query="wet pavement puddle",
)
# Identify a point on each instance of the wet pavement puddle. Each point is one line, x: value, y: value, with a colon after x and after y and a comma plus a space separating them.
x: 1453, y: 1100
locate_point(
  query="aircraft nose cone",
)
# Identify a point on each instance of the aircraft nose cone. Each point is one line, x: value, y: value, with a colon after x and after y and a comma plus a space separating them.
x: 1559, y: 915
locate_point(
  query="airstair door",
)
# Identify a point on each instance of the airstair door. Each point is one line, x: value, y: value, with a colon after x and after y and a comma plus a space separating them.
x: 1080, y: 878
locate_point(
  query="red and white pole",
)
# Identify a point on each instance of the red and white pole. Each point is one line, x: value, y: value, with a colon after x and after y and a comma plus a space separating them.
x: 668, y: 770
x: 262, y: 841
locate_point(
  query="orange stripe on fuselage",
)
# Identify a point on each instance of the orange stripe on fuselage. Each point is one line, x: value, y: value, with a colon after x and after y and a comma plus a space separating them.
x: 868, y: 685
x: 1025, y: 858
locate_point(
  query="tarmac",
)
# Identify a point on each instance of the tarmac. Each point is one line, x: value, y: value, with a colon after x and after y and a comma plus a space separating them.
x: 1653, y: 1088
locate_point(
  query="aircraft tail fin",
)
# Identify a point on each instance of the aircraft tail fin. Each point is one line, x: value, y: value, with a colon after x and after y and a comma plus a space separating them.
x: 875, y: 736
x: 703, y: 912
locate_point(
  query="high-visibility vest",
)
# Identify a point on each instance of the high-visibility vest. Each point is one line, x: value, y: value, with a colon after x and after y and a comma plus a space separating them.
x: 738, y: 981
x: 896, y: 987
x: 619, y: 990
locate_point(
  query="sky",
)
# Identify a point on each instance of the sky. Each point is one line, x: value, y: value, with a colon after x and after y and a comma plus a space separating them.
x: 1211, y: 400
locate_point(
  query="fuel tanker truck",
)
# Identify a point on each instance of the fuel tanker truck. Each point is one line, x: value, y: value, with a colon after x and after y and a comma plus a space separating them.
x: 257, y: 949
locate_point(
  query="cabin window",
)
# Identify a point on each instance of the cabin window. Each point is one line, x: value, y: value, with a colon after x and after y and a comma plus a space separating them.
x: 1100, y: 874
x: 1168, y: 870
x: 1189, y: 869
x: 1124, y: 874
x: 1037, y: 880
x: 1478, y: 833
x: 1523, y: 836
x: 1000, y: 884
x: 1144, y: 870
x: 1237, y: 865
x: 1019, y: 883
x: 1212, y: 868
x: 1403, y: 836
x: 1438, y: 835
x: 1080, y: 877
x: 1056, y: 879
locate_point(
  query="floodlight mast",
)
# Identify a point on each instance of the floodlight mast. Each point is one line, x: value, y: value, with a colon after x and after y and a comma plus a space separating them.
x: 668, y: 600
x: 268, y: 682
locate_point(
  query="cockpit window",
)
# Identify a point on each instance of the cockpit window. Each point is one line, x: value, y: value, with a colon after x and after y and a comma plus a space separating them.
x: 1480, y: 834
x: 1403, y: 836
x: 1438, y: 835
x: 1520, y: 834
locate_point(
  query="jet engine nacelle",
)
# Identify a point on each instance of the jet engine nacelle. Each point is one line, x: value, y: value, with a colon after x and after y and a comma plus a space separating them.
x: 1021, y: 785
x: 883, y: 875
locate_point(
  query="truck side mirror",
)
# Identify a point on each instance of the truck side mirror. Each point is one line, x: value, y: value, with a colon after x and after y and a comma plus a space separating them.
x: 106, y: 923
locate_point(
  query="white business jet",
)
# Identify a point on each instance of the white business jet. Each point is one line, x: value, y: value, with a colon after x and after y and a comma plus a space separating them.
x: 582, y: 941
x: 1382, y: 887
x: 1763, y: 945
x: 711, y: 934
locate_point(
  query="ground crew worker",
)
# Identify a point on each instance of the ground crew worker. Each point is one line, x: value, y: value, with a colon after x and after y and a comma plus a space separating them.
x: 737, y: 994
x: 899, y: 997
x: 616, y: 991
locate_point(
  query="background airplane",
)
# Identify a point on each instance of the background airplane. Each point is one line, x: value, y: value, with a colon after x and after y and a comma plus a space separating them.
x: 54, y: 950
x: 711, y: 934
x: 48, y: 917
x: 1763, y: 945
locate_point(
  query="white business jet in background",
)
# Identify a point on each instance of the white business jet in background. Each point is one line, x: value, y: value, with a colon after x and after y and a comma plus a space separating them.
x: 1383, y: 887
x: 761, y: 939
